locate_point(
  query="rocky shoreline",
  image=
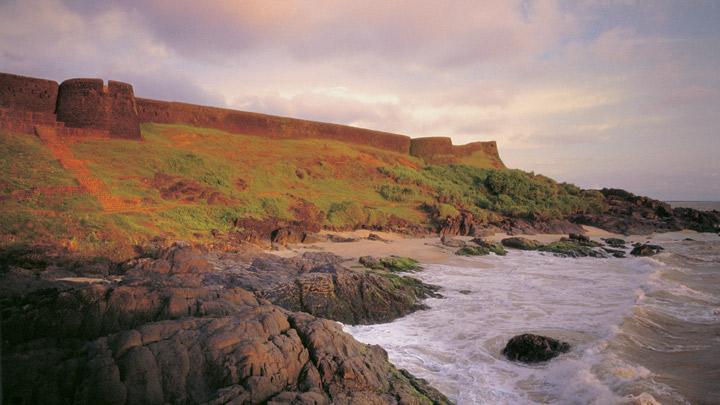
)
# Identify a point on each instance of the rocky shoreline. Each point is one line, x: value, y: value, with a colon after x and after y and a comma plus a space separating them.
x: 189, y: 326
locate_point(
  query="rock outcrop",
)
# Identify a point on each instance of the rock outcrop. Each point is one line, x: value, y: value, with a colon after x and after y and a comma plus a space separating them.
x: 177, y: 328
x: 630, y: 214
x: 517, y: 242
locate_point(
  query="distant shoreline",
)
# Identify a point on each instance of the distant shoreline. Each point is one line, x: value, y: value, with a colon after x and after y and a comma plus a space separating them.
x: 698, y: 205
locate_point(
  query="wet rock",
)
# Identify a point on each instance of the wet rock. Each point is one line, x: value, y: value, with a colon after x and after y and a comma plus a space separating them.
x: 615, y: 252
x: 529, y: 348
x: 493, y: 247
x: 481, y: 250
x: 569, y: 248
x: 517, y: 242
x: 615, y: 242
x: 646, y: 250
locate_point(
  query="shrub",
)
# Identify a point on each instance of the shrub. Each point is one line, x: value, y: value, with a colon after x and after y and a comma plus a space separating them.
x: 395, y: 193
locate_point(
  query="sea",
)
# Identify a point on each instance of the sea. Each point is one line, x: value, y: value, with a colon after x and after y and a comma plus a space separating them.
x: 643, y: 330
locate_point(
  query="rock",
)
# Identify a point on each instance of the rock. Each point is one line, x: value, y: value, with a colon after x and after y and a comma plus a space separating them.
x: 317, y: 283
x: 579, y: 237
x: 392, y: 263
x: 374, y: 236
x: 451, y: 242
x: 646, y: 250
x: 529, y: 348
x: 180, y: 328
x: 570, y: 248
x: 341, y: 239
x: 465, y: 292
x: 616, y: 253
x: 493, y: 247
x: 615, y: 242
x: 517, y: 242
x: 628, y: 214
x: 581, y: 240
x: 481, y: 250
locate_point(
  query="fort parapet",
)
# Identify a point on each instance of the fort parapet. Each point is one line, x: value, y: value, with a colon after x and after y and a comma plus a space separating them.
x: 271, y: 126
x: 27, y: 94
x: 88, y: 107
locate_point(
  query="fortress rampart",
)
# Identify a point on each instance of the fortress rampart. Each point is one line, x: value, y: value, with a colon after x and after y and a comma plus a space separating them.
x: 27, y: 94
x: 88, y: 107
x: 248, y: 123
x: 438, y: 149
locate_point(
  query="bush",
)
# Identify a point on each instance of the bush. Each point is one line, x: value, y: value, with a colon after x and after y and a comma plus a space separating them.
x: 395, y: 193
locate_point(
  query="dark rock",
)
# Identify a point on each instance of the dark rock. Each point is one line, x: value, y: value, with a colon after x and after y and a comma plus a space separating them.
x: 529, y: 348
x: 628, y: 214
x: 570, y: 248
x: 374, y: 236
x: 615, y: 242
x: 451, y: 242
x: 579, y: 237
x: 482, y: 250
x: 517, y: 242
x: 616, y: 253
x: 646, y: 250
x: 465, y: 292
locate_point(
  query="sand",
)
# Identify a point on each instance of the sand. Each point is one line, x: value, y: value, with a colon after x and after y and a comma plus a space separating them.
x: 425, y: 250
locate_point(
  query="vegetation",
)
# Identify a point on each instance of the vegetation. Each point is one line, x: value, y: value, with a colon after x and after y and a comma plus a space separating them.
x: 484, y: 250
x: 570, y: 248
x: 394, y: 264
x: 185, y: 182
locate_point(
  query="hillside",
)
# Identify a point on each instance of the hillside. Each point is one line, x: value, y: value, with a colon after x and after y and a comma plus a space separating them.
x: 190, y: 183
x: 91, y: 168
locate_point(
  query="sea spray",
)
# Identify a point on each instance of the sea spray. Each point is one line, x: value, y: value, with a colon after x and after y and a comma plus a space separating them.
x: 624, y: 318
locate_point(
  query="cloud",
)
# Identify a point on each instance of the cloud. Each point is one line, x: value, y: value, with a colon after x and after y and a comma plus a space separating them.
x: 616, y: 93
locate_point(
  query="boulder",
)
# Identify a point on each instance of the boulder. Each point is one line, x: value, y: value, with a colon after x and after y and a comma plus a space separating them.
x: 578, y: 237
x: 483, y: 248
x: 529, y: 348
x: 646, y: 250
x: 571, y: 248
x: 615, y: 242
x: 517, y: 242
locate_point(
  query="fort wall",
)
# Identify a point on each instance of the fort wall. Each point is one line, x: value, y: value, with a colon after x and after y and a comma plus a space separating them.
x: 27, y: 93
x: 440, y: 150
x: 87, y: 107
x: 265, y: 125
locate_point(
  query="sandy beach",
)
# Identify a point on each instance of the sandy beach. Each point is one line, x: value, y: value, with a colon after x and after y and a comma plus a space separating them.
x: 427, y: 250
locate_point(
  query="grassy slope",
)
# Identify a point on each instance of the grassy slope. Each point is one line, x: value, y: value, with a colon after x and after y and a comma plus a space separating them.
x: 256, y: 177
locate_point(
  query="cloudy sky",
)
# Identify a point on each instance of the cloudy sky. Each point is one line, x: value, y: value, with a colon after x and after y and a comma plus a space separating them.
x: 617, y: 93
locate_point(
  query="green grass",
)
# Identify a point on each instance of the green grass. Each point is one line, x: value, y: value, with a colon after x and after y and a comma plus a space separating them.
x: 349, y: 185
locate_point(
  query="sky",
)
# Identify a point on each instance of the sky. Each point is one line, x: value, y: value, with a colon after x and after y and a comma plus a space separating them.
x: 616, y: 93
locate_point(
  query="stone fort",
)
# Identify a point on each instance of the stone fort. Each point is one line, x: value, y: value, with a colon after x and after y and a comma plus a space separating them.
x: 89, y: 107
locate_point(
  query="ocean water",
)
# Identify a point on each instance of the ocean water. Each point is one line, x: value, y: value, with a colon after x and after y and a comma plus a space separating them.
x: 641, y: 328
